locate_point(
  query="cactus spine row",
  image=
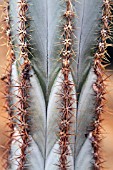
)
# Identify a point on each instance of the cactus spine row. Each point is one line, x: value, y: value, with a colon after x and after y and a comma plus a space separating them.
x: 24, y: 85
x: 66, y: 94
x: 99, y: 86
x: 6, y: 78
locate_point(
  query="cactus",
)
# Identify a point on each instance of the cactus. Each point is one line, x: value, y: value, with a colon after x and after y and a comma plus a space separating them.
x: 55, y: 82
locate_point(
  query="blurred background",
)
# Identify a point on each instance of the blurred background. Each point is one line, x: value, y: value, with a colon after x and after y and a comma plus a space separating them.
x: 107, y: 142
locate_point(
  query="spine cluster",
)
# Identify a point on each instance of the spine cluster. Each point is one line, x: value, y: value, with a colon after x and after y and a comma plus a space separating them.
x: 25, y: 67
x: 99, y: 86
x: 66, y: 94
x: 6, y: 78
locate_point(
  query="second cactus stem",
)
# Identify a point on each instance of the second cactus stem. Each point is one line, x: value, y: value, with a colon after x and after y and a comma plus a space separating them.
x: 66, y: 94
x: 99, y: 86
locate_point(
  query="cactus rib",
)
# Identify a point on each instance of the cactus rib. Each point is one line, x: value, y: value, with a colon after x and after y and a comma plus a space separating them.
x: 66, y: 94
x: 6, y: 78
x: 24, y: 86
x: 99, y: 86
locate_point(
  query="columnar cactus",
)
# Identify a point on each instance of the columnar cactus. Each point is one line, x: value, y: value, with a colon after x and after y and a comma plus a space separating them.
x: 55, y: 82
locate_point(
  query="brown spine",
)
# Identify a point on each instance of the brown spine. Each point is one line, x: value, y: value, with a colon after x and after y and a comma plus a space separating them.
x: 6, y: 78
x: 99, y: 86
x: 24, y: 86
x: 66, y: 94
